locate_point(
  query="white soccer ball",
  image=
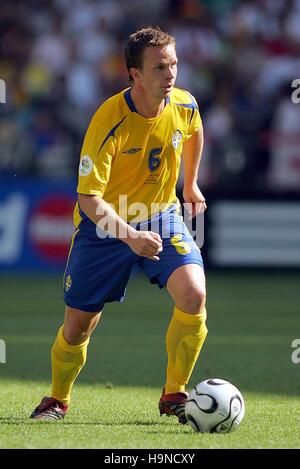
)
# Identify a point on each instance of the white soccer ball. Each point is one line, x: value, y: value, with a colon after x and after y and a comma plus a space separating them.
x: 215, y: 405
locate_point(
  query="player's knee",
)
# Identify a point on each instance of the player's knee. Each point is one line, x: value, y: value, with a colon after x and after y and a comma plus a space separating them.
x: 74, y: 335
x: 194, y: 299
x: 77, y: 333
x: 79, y: 325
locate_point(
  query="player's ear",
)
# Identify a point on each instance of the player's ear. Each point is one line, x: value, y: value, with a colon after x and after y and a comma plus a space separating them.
x: 135, y: 73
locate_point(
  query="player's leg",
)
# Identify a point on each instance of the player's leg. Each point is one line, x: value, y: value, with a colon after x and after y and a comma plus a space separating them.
x: 187, y: 329
x: 180, y: 270
x: 68, y: 356
x: 185, y: 336
x: 97, y: 272
x: 69, y: 351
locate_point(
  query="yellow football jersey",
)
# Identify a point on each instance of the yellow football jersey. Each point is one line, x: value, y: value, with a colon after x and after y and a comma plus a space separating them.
x: 133, y: 162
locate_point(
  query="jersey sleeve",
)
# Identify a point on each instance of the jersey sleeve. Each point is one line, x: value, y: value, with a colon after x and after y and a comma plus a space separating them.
x: 195, y: 118
x: 95, y: 160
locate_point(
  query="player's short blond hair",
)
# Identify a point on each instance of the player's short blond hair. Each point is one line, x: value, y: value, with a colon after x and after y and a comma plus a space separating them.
x: 140, y: 40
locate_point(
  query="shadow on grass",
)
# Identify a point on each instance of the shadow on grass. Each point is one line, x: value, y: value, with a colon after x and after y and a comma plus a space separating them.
x: 27, y: 421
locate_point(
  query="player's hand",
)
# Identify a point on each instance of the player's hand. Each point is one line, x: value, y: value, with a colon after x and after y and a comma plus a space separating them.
x: 194, y: 200
x: 146, y: 244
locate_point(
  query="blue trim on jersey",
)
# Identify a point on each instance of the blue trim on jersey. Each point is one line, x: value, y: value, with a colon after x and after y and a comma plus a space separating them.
x: 129, y: 101
x: 189, y: 106
x: 193, y: 100
x: 193, y: 105
x: 111, y: 133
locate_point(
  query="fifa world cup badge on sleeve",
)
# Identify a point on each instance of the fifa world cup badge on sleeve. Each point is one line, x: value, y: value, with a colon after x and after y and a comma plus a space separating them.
x: 86, y: 165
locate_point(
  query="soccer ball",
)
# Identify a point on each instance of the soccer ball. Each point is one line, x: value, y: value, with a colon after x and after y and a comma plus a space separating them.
x: 214, y: 405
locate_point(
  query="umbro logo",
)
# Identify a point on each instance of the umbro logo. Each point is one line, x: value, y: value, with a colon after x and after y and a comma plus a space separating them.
x: 131, y: 151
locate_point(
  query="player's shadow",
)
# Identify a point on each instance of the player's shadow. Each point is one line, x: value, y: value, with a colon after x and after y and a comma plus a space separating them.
x: 10, y: 420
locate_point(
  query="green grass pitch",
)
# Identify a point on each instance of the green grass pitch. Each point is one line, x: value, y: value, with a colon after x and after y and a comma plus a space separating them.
x: 253, y: 319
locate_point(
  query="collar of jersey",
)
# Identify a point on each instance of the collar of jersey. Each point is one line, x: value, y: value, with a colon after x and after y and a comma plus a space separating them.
x: 130, y: 104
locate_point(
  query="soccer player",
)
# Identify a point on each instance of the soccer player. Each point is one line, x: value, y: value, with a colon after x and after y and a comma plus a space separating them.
x: 129, y: 164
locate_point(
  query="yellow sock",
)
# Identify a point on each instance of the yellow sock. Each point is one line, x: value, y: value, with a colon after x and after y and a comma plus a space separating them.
x: 67, y: 361
x: 185, y: 337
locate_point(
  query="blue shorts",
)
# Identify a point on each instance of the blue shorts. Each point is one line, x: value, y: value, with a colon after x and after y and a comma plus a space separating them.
x: 98, y: 268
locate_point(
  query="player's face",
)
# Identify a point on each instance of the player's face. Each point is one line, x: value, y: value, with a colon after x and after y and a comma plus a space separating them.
x: 159, y: 71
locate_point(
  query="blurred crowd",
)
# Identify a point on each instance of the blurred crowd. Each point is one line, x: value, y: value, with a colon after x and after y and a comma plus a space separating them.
x: 61, y: 58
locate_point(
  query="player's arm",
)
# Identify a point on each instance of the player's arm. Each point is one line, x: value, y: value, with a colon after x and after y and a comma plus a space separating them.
x: 192, y: 152
x: 144, y: 243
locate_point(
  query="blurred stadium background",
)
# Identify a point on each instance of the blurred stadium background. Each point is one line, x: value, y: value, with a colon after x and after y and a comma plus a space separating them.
x: 59, y: 60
